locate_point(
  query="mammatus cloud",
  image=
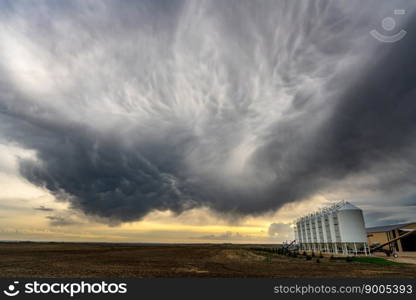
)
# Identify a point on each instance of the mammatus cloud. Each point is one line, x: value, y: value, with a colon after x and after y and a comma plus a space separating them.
x: 240, y: 106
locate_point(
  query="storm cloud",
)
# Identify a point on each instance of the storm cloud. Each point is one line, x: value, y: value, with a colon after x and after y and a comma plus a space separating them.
x: 43, y: 208
x: 238, y: 106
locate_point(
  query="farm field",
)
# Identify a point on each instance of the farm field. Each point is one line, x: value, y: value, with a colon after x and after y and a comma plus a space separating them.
x: 28, y: 259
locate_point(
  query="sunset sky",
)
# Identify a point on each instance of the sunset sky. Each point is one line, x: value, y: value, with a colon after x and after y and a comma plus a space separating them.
x: 202, y: 121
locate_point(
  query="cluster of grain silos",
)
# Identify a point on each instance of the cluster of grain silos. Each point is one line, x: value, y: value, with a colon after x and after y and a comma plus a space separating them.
x: 338, y: 229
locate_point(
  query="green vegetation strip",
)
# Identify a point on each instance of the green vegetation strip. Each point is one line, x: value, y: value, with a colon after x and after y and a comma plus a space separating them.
x: 376, y: 261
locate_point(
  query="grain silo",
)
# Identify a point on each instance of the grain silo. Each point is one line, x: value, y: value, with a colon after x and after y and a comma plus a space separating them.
x: 338, y: 229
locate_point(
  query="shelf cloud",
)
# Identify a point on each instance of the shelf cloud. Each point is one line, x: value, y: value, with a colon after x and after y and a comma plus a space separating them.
x: 238, y: 106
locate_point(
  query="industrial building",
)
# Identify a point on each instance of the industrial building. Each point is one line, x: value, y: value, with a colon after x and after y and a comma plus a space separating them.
x: 337, y: 229
x: 397, y: 238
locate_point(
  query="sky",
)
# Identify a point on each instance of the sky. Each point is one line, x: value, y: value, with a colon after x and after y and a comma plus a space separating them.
x: 202, y: 121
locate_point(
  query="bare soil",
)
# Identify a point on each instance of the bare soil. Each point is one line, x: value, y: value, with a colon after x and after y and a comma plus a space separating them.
x: 120, y: 260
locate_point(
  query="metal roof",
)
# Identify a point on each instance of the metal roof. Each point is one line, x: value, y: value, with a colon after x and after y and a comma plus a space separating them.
x: 348, y: 206
x: 386, y: 227
x: 342, y: 205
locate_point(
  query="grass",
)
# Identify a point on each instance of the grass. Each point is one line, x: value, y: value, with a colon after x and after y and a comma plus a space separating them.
x: 376, y: 261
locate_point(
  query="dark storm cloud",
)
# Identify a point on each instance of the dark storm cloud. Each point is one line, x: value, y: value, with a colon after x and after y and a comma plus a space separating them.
x: 60, y: 221
x: 371, y: 128
x: 43, y: 208
x: 237, y: 106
